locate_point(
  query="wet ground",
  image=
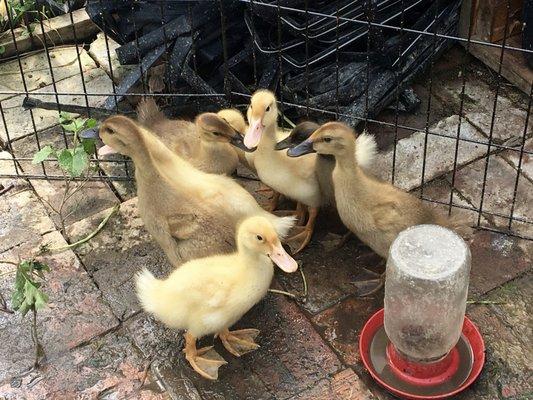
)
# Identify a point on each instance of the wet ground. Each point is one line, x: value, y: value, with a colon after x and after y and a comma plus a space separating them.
x: 98, y: 344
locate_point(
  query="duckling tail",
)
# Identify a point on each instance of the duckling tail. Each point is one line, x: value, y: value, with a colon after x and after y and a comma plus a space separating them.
x: 282, y: 225
x: 365, y: 150
x: 148, y: 112
x: 460, y: 225
x: 148, y: 290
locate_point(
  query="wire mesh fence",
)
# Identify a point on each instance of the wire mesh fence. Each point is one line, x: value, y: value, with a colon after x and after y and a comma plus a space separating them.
x: 348, y: 60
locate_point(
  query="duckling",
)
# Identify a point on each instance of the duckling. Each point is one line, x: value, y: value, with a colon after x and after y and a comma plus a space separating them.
x: 208, y: 143
x: 236, y: 120
x: 373, y: 210
x: 295, y: 179
x: 187, y: 211
x: 208, y: 295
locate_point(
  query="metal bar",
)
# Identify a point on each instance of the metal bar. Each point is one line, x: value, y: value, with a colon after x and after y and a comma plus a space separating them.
x: 520, y: 159
x: 399, y: 82
x: 493, y: 117
x: 430, y: 93
x: 395, y: 28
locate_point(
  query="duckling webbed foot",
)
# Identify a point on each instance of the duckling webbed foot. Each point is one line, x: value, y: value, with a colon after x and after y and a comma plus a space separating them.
x: 204, y: 361
x: 239, y: 342
x: 303, y: 237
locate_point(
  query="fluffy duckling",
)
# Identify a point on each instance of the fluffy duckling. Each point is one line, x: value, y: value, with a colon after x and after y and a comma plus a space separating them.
x: 374, y: 210
x: 236, y: 120
x: 208, y: 143
x: 187, y: 211
x: 207, y: 296
x: 366, y: 150
x: 295, y: 179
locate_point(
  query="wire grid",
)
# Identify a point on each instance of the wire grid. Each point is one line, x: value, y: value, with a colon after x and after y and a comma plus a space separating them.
x: 230, y: 94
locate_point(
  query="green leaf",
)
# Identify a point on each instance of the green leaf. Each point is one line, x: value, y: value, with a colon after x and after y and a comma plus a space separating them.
x: 65, y: 160
x: 89, y: 145
x: 90, y: 123
x: 70, y: 126
x: 65, y: 117
x: 40, y: 299
x: 42, y: 154
x: 80, y: 161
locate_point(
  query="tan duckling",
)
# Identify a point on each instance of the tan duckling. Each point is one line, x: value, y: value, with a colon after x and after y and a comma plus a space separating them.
x: 207, y: 296
x: 374, y: 210
x: 208, y: 143
x: 187, y: 211
x: 181, y: 228
x: 293, y: 178
x: 236, y: 120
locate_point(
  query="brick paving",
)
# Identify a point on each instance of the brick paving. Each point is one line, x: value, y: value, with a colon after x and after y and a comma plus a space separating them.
x: 99, y: 344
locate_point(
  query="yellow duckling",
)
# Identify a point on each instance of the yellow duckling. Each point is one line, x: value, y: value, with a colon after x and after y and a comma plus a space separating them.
x: 207, y: 296
x: 293, y: 178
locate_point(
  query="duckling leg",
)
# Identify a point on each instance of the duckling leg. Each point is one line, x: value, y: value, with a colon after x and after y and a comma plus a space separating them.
x: 239, y: 342
x: 303, y: 238
x: 273, y: 202
x: 301, y: 212
x: 205, y: 361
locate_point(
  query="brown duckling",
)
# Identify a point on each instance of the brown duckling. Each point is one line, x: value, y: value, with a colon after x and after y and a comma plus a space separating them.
x: 374, y: 210
x: 209, y: 143
x: 189, y: 213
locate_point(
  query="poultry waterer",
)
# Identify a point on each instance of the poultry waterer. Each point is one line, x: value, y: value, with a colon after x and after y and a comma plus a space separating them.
x: 421, y: 345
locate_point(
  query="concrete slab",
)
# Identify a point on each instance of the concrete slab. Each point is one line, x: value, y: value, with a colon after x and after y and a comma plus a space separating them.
x: 292, y: 356
x: 506, y: 328
x: 513, y: 157
x: 107, y: 368
x: 439, y: 154
x: 113, y: 257
x: 499, y: 192
x: 104, y: 53
x: 478, y: 105
x: 76, y: 312
x: 93, y: 197
x: 344, y: 385
x: 19, y: 122
x: 496, y: 259
x: 65, y: 64
x: 416, y: 120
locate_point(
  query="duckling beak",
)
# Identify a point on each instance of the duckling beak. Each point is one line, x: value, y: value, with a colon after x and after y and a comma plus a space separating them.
x: 253, y: 134
x: 284, y: 144
x: 282, y: 259
x: 237, y: 141
x: 303, y: 148
x: 91, y: 133
x: 105, y: 150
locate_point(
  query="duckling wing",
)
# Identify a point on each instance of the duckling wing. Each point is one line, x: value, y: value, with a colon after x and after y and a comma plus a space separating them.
x: 389, y: 218
x: 182, y: 226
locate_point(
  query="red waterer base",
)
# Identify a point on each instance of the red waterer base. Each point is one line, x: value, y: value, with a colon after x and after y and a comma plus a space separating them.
x: 421, y: 374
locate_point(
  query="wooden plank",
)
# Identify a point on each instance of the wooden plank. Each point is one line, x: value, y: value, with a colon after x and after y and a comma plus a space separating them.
x: 57, y: 30
x: 514, y: 66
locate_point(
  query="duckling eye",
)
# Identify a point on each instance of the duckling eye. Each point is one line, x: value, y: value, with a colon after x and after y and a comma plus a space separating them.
x: 216, y: 133
x: 327, y: 139
x: 259, y: 237
x: 268, y: 109
x: 110, y: 131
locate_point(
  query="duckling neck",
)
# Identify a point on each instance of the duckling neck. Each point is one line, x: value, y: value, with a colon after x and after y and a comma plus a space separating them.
x: 158, y: 159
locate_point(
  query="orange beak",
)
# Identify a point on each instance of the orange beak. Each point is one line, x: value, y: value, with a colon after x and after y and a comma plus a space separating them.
x: 282, y: 259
